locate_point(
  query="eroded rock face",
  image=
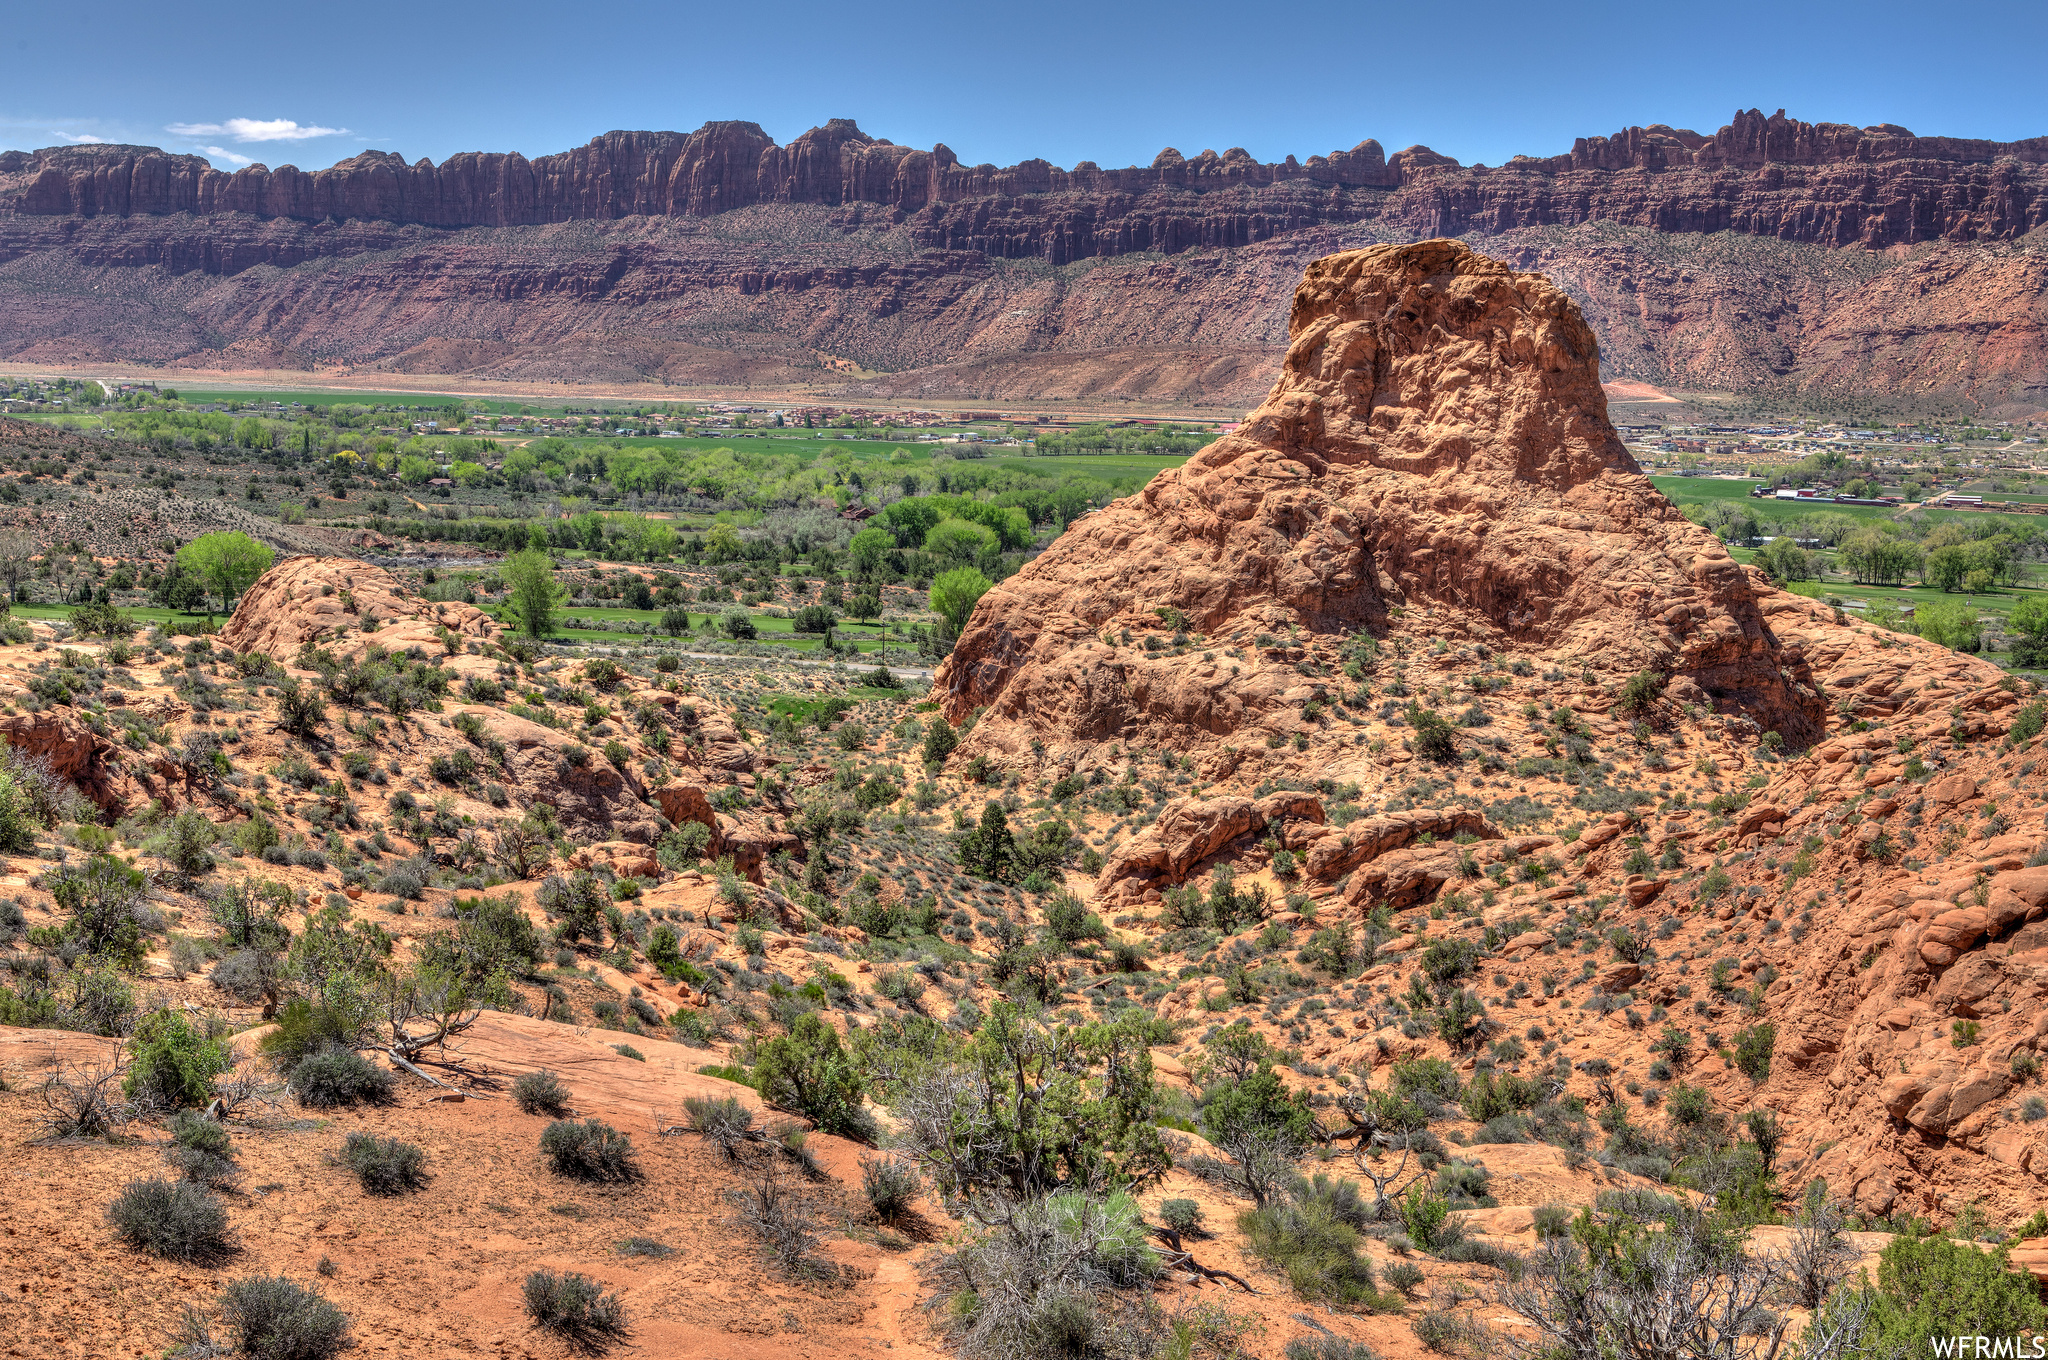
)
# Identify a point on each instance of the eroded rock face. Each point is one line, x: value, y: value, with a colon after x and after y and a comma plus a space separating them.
x: 1437, y: 444
x: 331, y: 601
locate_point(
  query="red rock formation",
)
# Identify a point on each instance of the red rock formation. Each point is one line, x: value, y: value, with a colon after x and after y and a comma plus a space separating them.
x: 347, y: 607
x: 1826, y: 182
x: 1702, y: 261
x: 1437, y: 445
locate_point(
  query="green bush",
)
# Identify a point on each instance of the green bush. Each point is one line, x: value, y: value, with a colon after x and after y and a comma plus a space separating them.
x: 173, y: 1063
x: 1308, y: 1242
x: 104, y: 899
x: 1423, y: 1214
x: 589, y: 1151
x: 1431, y: 1076
x: 575, y: 1308
x: 1640, y: 692
x: 1753, y: 1047
x: 173, y: 1219
x: 890, y: 1184
x: 1435, y: 738
x: 185, y: 843
x: 200, y: 1150
x: 1489, y: 1095
x: 807, y: 1070
x: 385, y: 1166
x: 302, y: 1030
x: 2030, y: 720
x: 1405, y: 1276
x: 1184, y: 1216
x: 1937, y: 1287
x: 334, y: 1077
x: 274, y: 1319
x: 1329, y: 1347
x: 540, y: 1092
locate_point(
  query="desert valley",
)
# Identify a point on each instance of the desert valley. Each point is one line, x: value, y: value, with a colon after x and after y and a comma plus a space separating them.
x: 706, y: 747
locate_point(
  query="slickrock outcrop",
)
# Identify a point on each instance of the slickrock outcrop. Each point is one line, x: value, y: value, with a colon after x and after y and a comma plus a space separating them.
x: 1437, y: 446
x: 348, y: 608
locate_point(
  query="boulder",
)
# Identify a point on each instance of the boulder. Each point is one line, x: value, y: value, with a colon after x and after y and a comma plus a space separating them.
x: 1189, y: 831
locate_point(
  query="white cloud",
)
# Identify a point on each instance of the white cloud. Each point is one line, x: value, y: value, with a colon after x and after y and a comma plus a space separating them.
x: 80, y: 138
x: 223, y: 154
x: 255, y: 130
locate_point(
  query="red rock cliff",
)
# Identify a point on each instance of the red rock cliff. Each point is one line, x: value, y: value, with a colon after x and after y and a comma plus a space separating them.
x: 1823, y: 183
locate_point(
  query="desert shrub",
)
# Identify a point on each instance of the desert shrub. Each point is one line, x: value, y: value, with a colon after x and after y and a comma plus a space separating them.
x: 104, y: 899
x: 336, y: 1076
x: 646, y: 1246
x: 780, y: 1219
x: 385, y: 1166
x: 248, y: 975
x: 575, y: 1308
x: 1935, y: 1286
x: 1184, y: 1216
x: 1040, y: 1288
x: 684, y: 846
x: 580, y: 900
x: 589, y: 1151
x: 1308, y: 1242
x: 1423, y: 1214
x: 890, y: 1184
x: 1405, y: 1276
x: 196, y: 1131
x: 172, y: 1062
x: 1490, y: 1095
x: 725, y: 1122
x: 540, y: 1092
x: 200, y: 1150
x: 174, y: 1219
x: 1450, y: 1332
x: 408, y: 878
x: 1327, y: 1347
x: 82, y: 1102
x: 1465, y: 1180
x: 304, y: 1029
x: 808, y: 1071
x: 274, y: 1319
x: 1753, y: 1047
x: 185, y: 842
x: 32, y: 795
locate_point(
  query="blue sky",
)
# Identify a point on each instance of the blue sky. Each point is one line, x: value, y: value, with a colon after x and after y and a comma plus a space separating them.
x: 1104, y: 80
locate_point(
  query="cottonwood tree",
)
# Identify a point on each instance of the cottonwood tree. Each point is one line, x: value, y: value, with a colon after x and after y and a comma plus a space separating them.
x: 229, y: 562
x: 532, y: 595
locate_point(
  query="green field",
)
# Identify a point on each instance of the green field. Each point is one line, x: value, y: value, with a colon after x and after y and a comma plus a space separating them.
x: 140, y: 613
x: 1703, y: 490
x: 1991, y: 603
x: 780, y: 632
x: 902, y: 452
x: 427, y: 399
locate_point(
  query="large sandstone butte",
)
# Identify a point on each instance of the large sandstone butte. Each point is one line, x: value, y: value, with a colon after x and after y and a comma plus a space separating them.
x: 1437, y: 446
x: 1807, y: 256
